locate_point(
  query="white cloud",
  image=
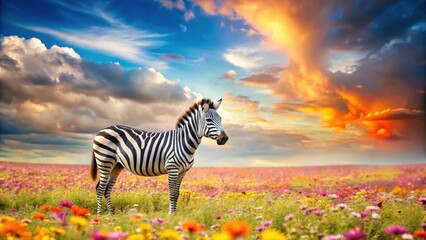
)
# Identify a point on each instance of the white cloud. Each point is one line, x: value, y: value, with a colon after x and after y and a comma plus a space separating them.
x: 118, y: 39
x: 183, y: 27
x: 230, y: 74
x: 244, y: 57
x: 188, y: 15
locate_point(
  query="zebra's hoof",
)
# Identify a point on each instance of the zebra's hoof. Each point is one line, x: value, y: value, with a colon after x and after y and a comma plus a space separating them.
x: 174, y: 213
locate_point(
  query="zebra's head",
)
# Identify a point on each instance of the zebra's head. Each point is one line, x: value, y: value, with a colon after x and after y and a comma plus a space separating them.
x: 212, y: 123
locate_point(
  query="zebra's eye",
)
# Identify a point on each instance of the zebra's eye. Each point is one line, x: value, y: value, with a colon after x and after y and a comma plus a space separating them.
x: 209, y: 120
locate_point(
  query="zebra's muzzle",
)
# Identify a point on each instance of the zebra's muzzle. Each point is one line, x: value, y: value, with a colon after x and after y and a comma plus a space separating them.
x: 222, y: 139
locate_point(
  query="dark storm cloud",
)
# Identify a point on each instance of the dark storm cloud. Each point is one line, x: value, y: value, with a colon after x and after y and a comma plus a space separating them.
x: 368, y: 25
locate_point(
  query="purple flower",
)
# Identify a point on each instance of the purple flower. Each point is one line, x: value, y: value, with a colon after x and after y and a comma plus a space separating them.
x: 266, y: 223
x: 354, y: 234
x: 422, y: 201
x: 59, y: 217
x: 217, y: 217
x: 423, y: 225
x: 289, y: 217
x: 324, y: 193
x: 66, y: 204
x: 396, y: 230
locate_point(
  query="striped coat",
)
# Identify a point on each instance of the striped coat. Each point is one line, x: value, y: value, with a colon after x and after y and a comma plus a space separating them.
x: 151, y: 153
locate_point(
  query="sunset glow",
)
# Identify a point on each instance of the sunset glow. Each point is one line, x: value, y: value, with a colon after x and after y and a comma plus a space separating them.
x: 302, y: 82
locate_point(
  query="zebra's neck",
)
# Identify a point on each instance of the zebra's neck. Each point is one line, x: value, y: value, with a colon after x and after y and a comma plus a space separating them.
x: 189, y: 135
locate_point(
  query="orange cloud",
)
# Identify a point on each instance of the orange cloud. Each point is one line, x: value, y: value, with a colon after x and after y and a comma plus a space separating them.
x: 299, y: 29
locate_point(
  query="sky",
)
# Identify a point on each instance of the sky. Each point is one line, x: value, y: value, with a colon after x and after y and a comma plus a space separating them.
x: 303, y: 82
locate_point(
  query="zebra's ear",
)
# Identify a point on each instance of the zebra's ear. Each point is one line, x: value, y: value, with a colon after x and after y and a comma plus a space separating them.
x: 216, y: 105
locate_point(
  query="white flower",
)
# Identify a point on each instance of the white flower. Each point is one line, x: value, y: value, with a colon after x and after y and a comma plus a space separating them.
x: 356, y: 214
x: 375, y: 215
x: 372, y: 208
x: 406, y: 236
x: 341, y: 205
x: 333, y: 196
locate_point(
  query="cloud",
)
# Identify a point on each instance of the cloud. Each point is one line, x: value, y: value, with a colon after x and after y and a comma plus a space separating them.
x: 183, y: 28
x: 362, y: 33
x: 394, y: 114
x: 175, y: 57
x: 118, y: 39
x: 188, y: 16
x: 54, y: 90
x: 247, y: 58
x: 208, y: 6
x: 230, y: 74
x: 169, y: 4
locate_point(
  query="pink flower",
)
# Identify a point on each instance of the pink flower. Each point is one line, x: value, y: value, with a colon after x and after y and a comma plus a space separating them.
x: 289, y: 217
x: 333, y: 237
x: 217, y: 217
x: 422, y: 200
x: 98, y: 235
x: 364, y: 214
x: 259, y: 218
x: 66, y: 204
x: 117, y: 235
x: 266, y: 223
x: 318, y: 212
x: 260, y: 228
x: 59, y: 217
x: 355, y: 234
x: 215, y: 226
x: 396, y: 230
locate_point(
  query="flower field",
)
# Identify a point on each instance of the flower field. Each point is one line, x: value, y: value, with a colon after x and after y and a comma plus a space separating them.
x: 340, y: 202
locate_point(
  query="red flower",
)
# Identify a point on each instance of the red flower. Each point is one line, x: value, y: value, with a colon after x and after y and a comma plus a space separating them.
x: 40, y: 216
x: 192, y: 227
x: 79, y: 211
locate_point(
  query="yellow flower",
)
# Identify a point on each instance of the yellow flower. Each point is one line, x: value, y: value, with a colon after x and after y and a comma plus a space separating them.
x: 145, y: 228
x: 202, y: 238
x: 222, y: 236
x: 5, y: 219
x: 79, y: 221
x: 272, y: 234
x: 169, y: 234
x: 117, y: 228
x: 41, y: 231
x: 57, y: 231
x: 135, y: 237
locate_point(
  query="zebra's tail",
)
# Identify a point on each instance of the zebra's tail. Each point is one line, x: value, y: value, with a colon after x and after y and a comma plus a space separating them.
x: 94, y: 167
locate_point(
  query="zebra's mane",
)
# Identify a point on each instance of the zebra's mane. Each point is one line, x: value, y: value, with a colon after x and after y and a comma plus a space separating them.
x: 193, y: 108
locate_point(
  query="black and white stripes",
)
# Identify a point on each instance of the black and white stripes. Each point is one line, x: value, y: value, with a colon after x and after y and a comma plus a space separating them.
x: 153, y: 154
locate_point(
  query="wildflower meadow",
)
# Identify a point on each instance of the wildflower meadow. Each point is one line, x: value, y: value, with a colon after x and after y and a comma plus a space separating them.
x: 342, y: 202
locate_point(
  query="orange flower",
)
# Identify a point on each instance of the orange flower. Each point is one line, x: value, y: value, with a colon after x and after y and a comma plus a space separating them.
x: 237, y: 228
x: 56, y: 209
x: 421, y: 234
x: 15, y: 229
x: 79, y: 211
x: 192, y: 226
x: 96, y: 219
x: 40, y: 216
x: 46, y: 207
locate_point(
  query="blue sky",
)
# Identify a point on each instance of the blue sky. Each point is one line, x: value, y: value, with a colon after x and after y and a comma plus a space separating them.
x: 297, y: 90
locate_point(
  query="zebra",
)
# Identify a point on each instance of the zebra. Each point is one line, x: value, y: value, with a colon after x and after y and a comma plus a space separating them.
x: 154, y: 153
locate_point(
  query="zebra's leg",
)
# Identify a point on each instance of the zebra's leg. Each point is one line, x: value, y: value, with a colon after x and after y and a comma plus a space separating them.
x: 175, y: 179
x: 111, y: 181
x: 105, y: 172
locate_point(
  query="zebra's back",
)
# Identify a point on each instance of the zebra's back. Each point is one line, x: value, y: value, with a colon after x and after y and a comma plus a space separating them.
x: 141, y: 152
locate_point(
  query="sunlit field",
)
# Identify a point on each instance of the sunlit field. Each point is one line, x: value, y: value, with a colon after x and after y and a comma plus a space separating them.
x: 342, y: 202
